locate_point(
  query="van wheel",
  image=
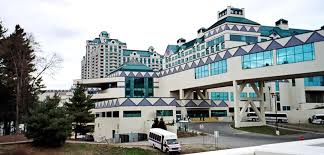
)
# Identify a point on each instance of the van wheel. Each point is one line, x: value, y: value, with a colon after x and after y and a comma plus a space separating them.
x: 253, y: 120
x: 167, y: 151
x: 153, y: 146
x: 279, y: 121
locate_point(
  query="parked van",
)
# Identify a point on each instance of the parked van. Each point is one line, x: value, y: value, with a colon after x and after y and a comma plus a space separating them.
x: 269, y: 116
x: 317, y: 119
x: 164, y: 140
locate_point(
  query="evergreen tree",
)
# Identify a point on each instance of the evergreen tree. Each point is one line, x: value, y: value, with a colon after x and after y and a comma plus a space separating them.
x: 17, y: 63
x: 79, y: 109
x: 48, y: 124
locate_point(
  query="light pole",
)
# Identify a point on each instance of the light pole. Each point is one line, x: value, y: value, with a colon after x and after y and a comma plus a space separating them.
x: 276, y: 94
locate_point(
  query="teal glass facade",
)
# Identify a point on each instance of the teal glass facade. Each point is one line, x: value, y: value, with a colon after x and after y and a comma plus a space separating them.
x: 218, y: 113
x: 138, y: 87
x: 202, y: 71
x: 164, y: 113
x: 215, y: 41
x: 132, y: 114
x: 215, y: 68
x: 314, y: 81
x: 219, y: 96
x: 257, y: 60
x: 248, y: 39
x: 296, y: 54
x: 219, y: 67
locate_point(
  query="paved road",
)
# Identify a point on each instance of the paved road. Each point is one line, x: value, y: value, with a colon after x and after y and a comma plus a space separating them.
x: 232, y: 138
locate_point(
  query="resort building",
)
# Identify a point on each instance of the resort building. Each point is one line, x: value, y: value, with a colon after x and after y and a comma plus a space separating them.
x: 233, y: 67
x: 104, y: 55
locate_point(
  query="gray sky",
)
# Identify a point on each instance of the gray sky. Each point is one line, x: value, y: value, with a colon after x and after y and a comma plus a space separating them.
x: 63, y: 26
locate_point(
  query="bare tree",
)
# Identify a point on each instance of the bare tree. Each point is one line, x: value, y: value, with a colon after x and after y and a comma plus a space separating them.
x: 47, y: 65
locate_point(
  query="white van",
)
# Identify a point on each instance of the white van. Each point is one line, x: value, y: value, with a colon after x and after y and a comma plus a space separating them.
x: 164, y: 140
x: 317, y: 119
x: 270, y: 117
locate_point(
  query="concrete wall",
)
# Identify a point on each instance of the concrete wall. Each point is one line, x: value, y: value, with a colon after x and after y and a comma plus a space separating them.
x: 296, y: 116
x: 126, y: 125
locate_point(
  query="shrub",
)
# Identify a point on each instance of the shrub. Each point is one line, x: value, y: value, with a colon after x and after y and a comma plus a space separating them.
x: 49, y: 125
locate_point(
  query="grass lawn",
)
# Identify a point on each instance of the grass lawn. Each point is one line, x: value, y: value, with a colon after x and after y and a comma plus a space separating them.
x: 316, y: 127
x: 267, y: 130
x: 74, y: 149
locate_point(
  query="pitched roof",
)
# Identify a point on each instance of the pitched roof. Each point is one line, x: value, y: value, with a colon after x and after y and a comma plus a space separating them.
x: 172, y: 49
x: 231, y: 19
x: 268, y: 30
x: 142, y: 53
x: 134, y: 65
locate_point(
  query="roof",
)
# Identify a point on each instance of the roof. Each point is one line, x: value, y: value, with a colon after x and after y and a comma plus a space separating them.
x: 134, y: 65
x: 172, y: 49
x: 104, y: 33
x: 231, y: 19
x: 268, y: 30
x: 142, y: 53
x: 98, y: 41
x: 161, y: 131
x: 191, y: 43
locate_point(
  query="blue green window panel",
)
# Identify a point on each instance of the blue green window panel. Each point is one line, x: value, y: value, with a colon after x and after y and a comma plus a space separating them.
x: 218, y: 113
x: 277, y: 86
x: 218, y: 67
x: 243, y: 94
x: 132, y: 113
x: 296, y: 54
x: 215, y: 41
x: 232, y: 96
x: 314, y: 81
x: 253, y: 95
x: 164, y: 112
x: 220, y: 96
x: 248, y: 39
x: 139, y: 87
x: 257, y: 60
x: 201, y: 72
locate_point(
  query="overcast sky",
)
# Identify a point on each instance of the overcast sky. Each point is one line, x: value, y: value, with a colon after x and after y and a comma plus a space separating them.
x: 63, y: 26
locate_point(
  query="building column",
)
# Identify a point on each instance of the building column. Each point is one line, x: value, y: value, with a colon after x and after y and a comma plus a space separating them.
x: 181, y: 94
x: 236, y: 94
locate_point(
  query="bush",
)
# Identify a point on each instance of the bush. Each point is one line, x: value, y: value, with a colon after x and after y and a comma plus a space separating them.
x: 49, y: 125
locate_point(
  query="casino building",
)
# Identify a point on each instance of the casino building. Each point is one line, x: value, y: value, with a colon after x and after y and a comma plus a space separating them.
x: 232, y: 67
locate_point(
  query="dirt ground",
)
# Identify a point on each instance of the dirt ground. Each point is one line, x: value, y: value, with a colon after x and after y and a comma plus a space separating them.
x: 12, y: 138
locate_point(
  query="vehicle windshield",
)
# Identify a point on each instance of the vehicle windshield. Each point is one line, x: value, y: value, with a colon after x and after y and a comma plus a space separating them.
x: 172, y: 141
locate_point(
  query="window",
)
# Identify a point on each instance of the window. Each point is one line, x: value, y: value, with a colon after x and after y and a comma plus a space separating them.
x: 296, y: 54
x: 108, y: 114
x: 201, y: 72
x: 256, y: 60
x: 243, y: 94
x: 132, y: 113
x: 178, y: 112
x: 215, y: 41
x: 253, y: 95
x: 218, y: 113
x: 138, y: 87
x: 232, y: 96
x: 248, y: 39
x: 219, y: 67
x: 103, y: 114
x: 277, y: 86
x: 286, y: 108
x: 314, y: 81
x: 115, y: 114
x: 164, y: 112
x: 219, y: 96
